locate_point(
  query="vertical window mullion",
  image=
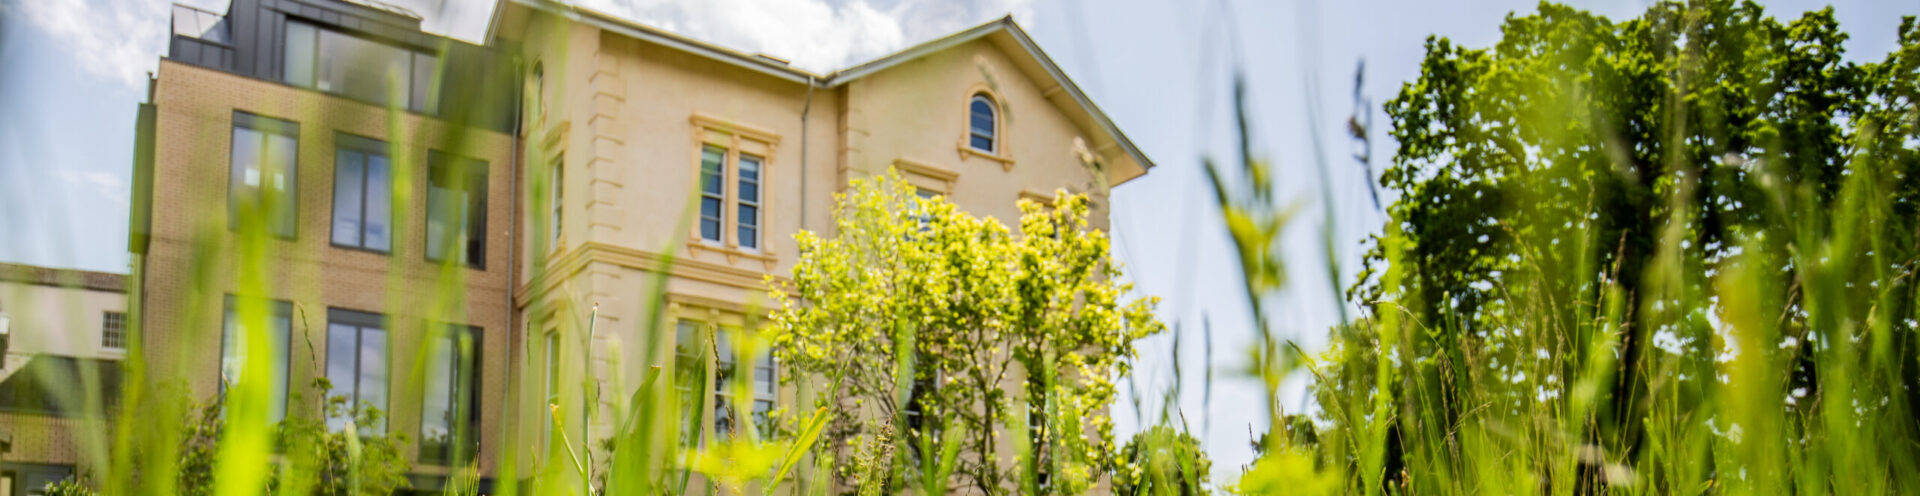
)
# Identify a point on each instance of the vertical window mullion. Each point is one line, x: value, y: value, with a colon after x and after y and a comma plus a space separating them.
x: 730, y: 194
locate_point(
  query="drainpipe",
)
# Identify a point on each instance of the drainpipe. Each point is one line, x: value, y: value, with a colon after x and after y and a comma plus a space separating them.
x: 804, y: 109
x: 507, y: 407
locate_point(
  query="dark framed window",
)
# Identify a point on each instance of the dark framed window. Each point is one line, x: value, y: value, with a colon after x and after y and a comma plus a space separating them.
x: 450, y: 410
x: 263, y: 159
x: 31, y: 479
x: 359, y: 68
x: 981, y: 130
x: 456, y: 209
x: 234, y: 347
x: 362, y: 194
x: 713, y: 196
x: 113, y: 330
x: 357, y: 365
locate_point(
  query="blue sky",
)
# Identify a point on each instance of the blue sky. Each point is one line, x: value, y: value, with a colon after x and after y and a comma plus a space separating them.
x: 72, y: 73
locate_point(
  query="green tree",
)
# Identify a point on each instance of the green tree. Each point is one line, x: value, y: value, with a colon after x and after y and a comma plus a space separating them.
x: 1161, y: 461
x: 1575, y: 204
x: 920, y: 315
x: 315, y: 459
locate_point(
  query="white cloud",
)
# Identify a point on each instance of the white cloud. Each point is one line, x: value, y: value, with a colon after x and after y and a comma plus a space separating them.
x: 122, y: 39
x: 817, y: 35
x: 109, y: 186
x: 116, y: 39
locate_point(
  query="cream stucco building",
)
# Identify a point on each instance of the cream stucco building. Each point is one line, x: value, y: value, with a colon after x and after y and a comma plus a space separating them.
x: 623, y: 121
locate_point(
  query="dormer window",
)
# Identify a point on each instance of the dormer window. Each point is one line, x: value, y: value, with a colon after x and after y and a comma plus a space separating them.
x: 982, y: 124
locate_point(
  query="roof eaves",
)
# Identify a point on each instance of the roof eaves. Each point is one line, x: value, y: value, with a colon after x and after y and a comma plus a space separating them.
x: 651, y: 34
x: 1073, y: 89
x: 914, y: 52
x: 1019, y: 35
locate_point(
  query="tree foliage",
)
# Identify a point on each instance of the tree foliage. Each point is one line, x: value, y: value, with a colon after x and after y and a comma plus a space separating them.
x: 950, y: 329
x: 314, y: 459
x: 1162, y: 461
x: 1592, y: 215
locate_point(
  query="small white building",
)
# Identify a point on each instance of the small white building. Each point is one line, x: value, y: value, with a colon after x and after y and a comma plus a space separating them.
x: 63, y: 334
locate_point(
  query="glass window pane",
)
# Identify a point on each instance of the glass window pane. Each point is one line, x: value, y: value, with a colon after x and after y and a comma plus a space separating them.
x: 749, y: 216
x: 233, y: 356
x: 282, y: 154
x: 229, y: 349
x: 456, y: 208
x: 685, y: 334
x: 342, y: 352
x: 437, y: 225
x: 763, y: 378
x: 425, y: 95
x: 363, y: 69
x: 280, y: 331
x: 474, y: 216
x: 243, y: 178
x: 436, y: 408
x: 710, y: 219
x: 749, y: 236
x: 723, y: 358
x: 712, y: 170
x: 349, y: 171
x: 980, y: 124
x: 556, y: 199
x: 749, y: 192
x: 762, y: 412
x: 553, y: 368
x: 373, y: 373
x: 379, y: 215
x: 300, y: 54
x: 722, y: 417
x: 749, y: 169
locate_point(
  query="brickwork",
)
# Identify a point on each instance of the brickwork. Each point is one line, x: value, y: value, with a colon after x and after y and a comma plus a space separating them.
x: 195, y: 260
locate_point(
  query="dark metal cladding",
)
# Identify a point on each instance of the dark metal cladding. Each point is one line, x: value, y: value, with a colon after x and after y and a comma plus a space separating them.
x: 250, y: 40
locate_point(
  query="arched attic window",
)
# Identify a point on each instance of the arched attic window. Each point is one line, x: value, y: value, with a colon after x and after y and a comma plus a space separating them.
x: 982, y: 128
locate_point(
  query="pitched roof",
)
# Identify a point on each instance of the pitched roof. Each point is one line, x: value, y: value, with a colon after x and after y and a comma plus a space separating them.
x: 1004, y: 33
x: 48, y: 276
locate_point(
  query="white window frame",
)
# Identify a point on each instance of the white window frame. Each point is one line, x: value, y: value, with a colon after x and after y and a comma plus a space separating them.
x: 736, y: 141
x: 113, y: 329
x: 993, y: 117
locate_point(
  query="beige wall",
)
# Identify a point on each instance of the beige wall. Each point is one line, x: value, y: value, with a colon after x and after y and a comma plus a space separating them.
x: 629, y: 117
x: 918, y: 110
x: 194, y: 260
x: 56, y: 320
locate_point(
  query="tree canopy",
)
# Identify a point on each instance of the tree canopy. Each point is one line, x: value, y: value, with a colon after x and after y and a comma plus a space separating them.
x: 949, y: 329
x: 1618, y: 241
